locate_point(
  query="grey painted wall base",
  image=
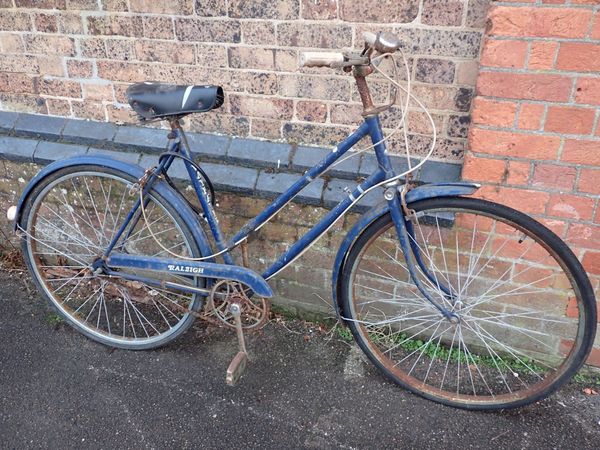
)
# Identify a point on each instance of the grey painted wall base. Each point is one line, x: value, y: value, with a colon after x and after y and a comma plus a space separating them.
x: 246, y: 166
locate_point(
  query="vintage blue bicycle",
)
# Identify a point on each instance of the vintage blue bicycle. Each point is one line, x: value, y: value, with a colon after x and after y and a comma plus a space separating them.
x: 462, y: 301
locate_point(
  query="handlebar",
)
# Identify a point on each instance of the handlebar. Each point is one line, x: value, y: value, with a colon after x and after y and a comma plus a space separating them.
x: 382, y: 42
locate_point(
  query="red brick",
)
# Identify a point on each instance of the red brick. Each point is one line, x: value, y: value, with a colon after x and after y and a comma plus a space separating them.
x: 570, y: 120
x: 530, y: 116
x: 557, y: 226
x: 512, y: 144
x: 541, y: 55
x: 539, y: 22
x: 493, y: 113
x: 123, y: 71
x: 570, y: 206
x: 45, y: 44
x: 596, y: 29
x: 311, y: 111
x: 483, y: 169
x: 518, y: 172
x: 165, y: 52
x: 591, y: 263
x: 77, y: 68
x: 45, y: 23
x: 581, y: 152
x: 60, y: 88
x: 504, y: 53
x: 594, y: 357
x: 261, y: 107
x: 18, y: 83
x: 524, y: 86
x: 572, y: 308
x: 170, y: 7
x: 59, y: 107
x: 584, y: 235
x: 588, y: 91
x: 554, y: 177
x: 589, y: 181
x: 98, y: 92
x: 579, y: 56
x: 533, y: 202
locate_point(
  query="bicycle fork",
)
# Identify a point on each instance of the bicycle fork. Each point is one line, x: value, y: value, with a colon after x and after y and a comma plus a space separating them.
x: 412, y: 254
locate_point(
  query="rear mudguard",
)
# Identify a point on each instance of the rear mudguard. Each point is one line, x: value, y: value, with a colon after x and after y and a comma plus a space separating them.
x: 161, y: 187
x: 419, y: 193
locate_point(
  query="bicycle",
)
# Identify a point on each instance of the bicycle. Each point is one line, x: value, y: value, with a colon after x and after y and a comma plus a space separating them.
x: 457, y: 299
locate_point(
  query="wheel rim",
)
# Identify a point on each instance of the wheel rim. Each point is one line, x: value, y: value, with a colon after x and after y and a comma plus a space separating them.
x: 520, y: 315
x: 71, y: 222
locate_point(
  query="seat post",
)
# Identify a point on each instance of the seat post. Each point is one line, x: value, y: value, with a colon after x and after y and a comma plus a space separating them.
x: 177, y: 131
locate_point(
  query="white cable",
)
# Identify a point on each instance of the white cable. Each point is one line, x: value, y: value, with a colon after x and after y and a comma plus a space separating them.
x: 402, y: 123
x: 187, y: 258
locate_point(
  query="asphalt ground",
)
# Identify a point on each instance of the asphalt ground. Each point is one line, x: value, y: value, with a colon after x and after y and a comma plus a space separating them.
x: 303, y: 389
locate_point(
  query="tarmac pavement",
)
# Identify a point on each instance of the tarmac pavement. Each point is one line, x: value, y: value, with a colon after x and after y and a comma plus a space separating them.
x: 59, y: 389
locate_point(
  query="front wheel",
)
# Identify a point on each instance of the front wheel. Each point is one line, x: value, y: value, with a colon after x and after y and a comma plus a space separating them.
x: 527, y: 313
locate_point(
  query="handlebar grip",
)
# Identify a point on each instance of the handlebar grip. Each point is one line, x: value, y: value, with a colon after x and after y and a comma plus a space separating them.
x: 321, y: 59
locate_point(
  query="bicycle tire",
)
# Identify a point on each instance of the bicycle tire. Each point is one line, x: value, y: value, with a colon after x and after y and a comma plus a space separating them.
x: 526, y: 338
x: 69, y: 220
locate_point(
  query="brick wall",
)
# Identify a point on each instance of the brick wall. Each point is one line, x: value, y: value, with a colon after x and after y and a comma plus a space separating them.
x: 74, y: 58
x: 535, y: 138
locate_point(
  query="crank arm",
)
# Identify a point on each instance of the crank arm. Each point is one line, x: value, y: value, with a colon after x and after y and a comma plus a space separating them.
x: 238, y: 364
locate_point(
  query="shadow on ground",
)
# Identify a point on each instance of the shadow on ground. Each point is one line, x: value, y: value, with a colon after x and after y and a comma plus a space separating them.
x: 59, y: 389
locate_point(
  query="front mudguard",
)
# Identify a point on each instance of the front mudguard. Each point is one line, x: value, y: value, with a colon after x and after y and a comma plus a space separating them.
x: 161, y: 187
x: 419, y: 193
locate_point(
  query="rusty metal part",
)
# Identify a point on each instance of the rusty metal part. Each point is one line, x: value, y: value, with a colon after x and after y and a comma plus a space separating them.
x: 245, y: 258
x: 142, y: 181
x: 363, y: 91
x: 254, y: 310
x: 408, y: 212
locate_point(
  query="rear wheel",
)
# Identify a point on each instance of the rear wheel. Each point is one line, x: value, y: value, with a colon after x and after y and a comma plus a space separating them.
x: 526, y: 308
x: 70, y: 218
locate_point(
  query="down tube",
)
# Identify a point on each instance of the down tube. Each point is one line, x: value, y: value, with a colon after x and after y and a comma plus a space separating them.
x: 320, y: 228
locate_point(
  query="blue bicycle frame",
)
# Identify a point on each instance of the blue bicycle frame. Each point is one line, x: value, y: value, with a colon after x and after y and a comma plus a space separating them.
x: 178, y: 145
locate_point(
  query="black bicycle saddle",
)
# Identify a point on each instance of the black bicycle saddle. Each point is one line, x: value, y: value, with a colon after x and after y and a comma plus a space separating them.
x: 153, y: 100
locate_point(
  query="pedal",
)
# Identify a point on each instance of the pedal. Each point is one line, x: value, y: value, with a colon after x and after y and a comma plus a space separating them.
x: 238, y: 363
x: 236, y: 368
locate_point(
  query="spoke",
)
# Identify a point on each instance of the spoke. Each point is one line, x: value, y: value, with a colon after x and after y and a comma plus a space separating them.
x: 426, y: 344
x: 514, y: 291
x: 535, y: 315
x: 70, y: 292
x: 161, y: 313
x: 430, y: 258
x: 116, y: 221
x: 83, y: 264
x: 85, y: 210
x: 492, y: 352
x: 471, y: 278
x: 513, y: 351
x: 88, y: 299
x: 71, y: 226
x: 102, y: 237
x: 512, y: 327
x: 448, y: 359
x: 106, y: 313
x: 466, y: 351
